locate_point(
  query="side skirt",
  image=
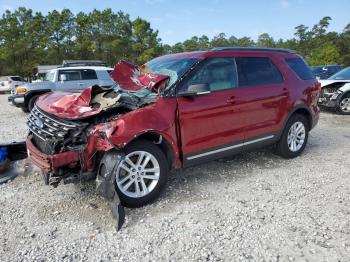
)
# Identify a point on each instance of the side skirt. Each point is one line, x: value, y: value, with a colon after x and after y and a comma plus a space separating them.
x: 229, y: 150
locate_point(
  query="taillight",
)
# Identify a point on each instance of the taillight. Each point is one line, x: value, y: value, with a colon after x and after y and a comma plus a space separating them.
x: 318, y: 86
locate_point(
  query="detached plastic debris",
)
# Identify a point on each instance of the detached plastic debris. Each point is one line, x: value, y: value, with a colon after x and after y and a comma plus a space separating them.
x: 13, y: 161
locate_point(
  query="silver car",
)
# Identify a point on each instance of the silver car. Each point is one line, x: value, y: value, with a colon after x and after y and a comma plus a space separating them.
x: 69, y: 79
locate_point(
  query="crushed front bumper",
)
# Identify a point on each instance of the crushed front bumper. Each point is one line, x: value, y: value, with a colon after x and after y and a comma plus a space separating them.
x: 329, y: 99
x: 50, y: 163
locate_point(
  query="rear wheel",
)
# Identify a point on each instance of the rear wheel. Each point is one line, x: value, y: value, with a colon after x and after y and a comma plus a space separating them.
x: 142, y: 174
x: 344, y: 105
x: 294, y: 137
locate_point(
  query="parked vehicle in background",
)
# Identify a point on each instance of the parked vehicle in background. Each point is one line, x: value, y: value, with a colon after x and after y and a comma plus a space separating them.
x: 326, y: 71
x: 7, y: 83
x: 175, y: 111
x: 335, y: 92
x: 61, y: 79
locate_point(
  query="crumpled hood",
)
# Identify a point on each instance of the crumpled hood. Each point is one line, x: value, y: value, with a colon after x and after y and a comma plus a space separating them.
x: 69, y: 105
x: 72, y: 106
x: 327, y: 82
x: 134, y: 78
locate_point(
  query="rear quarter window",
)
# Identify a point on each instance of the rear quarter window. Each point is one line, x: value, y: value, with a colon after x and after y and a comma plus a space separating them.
x: 300, y: 68
x: 88, y: 74
x: 257, y: 71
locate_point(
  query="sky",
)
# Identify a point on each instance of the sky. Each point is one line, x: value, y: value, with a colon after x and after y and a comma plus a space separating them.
x: 178, y: 20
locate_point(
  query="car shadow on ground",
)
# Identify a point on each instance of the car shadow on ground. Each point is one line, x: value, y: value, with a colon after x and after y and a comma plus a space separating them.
x: 182, y: 185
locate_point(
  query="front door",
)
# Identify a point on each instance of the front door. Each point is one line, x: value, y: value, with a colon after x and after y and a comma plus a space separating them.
x: 210, y: 125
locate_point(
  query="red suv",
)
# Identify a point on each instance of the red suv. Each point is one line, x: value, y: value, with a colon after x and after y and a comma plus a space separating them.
x: 175, y: 111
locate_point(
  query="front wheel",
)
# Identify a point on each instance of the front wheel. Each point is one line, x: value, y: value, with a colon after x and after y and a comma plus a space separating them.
x: 344, y: 105
x: 294, y: 137
x: 142, y: 174
x: 31, y: 102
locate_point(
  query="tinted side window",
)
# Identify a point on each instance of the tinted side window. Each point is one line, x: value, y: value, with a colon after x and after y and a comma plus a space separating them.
x: 257, y: 71
x: 71, y: 75
x: 300, y: 68
x: 17, y: 78
x: 88, y: 74
x: 218, y: 73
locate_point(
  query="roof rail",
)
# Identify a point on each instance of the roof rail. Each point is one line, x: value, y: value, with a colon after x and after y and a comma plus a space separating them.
x: 74, y: 63
x: 237, y: 48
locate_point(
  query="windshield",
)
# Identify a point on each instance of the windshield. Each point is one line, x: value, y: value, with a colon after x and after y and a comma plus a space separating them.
x: 50, y: 76
x: 342, y: 75
x: 175, y: 68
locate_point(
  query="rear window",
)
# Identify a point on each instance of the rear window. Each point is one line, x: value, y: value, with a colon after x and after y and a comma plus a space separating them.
x: 71, y: 75
x: 88, y: 74
x: 257, y: 71
x: 300, y: 68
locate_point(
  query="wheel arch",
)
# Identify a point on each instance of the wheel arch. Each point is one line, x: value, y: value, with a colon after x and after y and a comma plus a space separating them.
x: 301, y: 110
x: 164, y: 143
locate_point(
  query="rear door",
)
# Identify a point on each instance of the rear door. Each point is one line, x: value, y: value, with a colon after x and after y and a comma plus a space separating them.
x: 210, y: 125
x: 262, y: 97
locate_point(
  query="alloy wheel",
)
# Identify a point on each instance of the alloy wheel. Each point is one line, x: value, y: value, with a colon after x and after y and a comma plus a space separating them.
x: 296, y: 136
x: 138, y: 174
x: 345, y: 105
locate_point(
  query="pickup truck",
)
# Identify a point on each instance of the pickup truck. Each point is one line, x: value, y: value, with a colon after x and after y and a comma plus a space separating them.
x: 175, y: 111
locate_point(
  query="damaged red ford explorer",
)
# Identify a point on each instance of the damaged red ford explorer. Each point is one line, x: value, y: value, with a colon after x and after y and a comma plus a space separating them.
x: 175, y: 111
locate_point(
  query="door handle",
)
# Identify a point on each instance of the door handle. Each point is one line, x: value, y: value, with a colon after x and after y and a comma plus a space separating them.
x: 80, y: 84
x: 231, y: 100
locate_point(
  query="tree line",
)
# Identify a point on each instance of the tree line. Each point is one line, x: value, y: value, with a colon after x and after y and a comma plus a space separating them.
x: 30, y: 38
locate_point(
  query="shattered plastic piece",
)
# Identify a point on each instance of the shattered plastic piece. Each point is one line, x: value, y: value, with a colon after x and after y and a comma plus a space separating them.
x: 105, y: 102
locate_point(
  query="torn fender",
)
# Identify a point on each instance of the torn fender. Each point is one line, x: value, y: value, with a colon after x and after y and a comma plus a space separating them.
x: 105, y: 184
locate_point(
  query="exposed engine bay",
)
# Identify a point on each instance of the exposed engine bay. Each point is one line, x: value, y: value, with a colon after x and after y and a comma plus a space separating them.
x: 332, y: 91
x: 74, y: 128
x: 54, y: 135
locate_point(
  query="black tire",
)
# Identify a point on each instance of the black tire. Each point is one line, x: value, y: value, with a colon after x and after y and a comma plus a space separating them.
x: 31, y: 102
x: 282, y: 147
x: 149, y: 147
x: 339, y: 109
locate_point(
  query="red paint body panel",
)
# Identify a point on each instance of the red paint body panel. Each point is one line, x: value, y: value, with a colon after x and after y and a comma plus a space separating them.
x: 68, y: 105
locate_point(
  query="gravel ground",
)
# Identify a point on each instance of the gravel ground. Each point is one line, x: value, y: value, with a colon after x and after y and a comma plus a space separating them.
x: 251, y: 207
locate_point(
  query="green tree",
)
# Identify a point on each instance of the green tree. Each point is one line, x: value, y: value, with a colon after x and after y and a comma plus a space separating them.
x: 145, y: 41
x: 265, y: 40
x: 60, y: 31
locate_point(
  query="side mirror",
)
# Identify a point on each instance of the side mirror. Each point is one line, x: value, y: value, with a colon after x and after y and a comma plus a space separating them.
x: 196, y: 90
x: 63, y: 78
